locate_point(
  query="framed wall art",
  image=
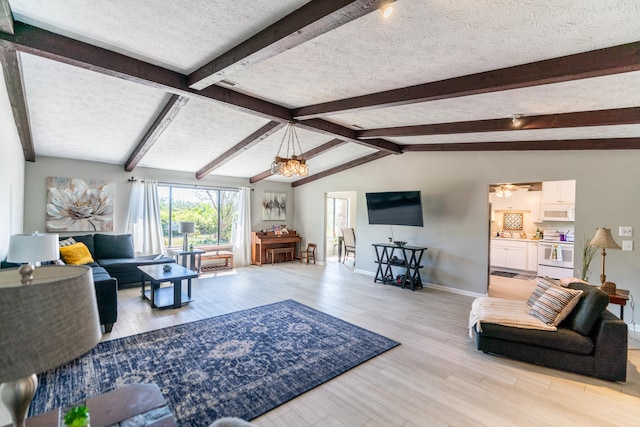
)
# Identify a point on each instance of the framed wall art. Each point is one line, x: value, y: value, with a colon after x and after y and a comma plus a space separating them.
x: 75, y: 204
x: 274, y: 206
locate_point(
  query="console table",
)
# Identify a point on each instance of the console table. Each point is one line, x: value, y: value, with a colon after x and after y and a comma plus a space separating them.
x: 136, y: 404
x: 407, y: 258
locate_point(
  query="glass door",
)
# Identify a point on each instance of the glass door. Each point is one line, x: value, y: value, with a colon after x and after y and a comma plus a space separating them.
x: 337, y: 219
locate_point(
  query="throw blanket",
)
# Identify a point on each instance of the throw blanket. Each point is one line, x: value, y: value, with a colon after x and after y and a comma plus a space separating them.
x: 503, y: 312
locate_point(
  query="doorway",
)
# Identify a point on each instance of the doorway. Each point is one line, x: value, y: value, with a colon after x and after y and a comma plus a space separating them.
x: 339, y: 214
x: 518, y: 223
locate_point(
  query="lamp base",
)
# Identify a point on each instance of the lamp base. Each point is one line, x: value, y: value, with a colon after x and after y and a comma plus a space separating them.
x: 609, y: 287
x: 17, y: 395
x: 185, y: 242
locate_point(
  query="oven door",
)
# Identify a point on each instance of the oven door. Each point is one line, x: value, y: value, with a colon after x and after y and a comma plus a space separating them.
x: 555, y: 255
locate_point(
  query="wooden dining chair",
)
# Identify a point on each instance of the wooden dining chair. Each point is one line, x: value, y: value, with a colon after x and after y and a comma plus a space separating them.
x: 349, y: 239
x: 310, y: 252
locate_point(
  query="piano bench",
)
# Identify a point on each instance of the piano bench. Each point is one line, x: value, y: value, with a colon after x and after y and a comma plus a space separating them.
x: 275, y: 251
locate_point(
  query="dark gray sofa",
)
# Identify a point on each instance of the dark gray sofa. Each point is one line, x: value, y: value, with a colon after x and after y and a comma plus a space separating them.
x: 590, y: 341
x: 115, y: 254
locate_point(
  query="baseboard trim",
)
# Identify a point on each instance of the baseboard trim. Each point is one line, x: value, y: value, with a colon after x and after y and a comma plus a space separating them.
x: 433, y: 286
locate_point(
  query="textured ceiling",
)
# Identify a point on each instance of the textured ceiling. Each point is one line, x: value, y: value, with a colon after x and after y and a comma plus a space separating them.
x: 82, y: 114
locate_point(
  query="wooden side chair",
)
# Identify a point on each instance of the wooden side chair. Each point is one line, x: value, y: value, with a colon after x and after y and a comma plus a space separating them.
x: 309, y: 253
x: 349, y: 238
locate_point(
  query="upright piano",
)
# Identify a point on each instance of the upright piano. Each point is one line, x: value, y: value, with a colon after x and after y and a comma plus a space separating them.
x: 261, y: 241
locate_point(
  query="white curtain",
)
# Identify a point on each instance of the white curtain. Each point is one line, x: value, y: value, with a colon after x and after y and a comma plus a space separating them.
x: 242, y: 250
x: 144, y: 219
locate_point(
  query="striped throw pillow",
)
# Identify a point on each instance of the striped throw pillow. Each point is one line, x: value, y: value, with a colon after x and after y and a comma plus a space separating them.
x: 67, y: 242
x: 555, y: 304
x: 543, y: 285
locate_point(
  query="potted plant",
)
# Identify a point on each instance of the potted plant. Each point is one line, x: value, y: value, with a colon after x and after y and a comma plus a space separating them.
x: 77, y: 416
x: 588, y: 252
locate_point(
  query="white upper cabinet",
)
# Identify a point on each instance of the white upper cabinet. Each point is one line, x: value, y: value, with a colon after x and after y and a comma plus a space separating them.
x: 518, y: 201
x: 559, y: 192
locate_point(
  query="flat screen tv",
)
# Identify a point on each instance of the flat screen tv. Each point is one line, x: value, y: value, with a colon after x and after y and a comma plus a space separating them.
x: 395, y: 208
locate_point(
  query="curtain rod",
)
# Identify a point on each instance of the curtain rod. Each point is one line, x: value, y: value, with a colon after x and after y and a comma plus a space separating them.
x: 194, y: 186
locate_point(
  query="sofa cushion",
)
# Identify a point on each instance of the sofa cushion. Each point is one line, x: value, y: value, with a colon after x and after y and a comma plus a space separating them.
x: 555, y: 304
x: 88, y: 241
x: 592, y: 303
x: 76, y: 254
x: 113, y: 246
x: 563, y: 339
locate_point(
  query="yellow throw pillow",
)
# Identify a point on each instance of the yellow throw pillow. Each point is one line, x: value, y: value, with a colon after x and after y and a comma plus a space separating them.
x: 76, y: 254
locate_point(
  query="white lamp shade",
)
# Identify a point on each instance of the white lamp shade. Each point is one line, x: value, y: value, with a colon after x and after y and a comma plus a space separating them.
x: 33, y: 248
x: 50, y: 322
x: 187, y: 227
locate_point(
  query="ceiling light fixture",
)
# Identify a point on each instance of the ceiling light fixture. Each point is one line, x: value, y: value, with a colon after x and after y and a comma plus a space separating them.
x: 505, y: 190
x: 515, y: 119
x: 386, y: 10
x: 294, y: 165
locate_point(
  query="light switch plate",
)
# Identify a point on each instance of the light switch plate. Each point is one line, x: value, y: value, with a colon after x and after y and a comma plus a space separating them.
x: 627, y: 245
x: 625, y: 232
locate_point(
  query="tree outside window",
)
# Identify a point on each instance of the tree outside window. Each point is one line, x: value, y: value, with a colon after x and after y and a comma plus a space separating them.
x: 214, y: 212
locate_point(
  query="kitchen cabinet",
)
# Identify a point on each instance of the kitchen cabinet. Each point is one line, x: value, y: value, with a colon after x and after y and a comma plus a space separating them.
x: 518, y: 201
x: 532, y: 256
x: 535, y: 200
x: 510, y: 254
x: 559, y: 192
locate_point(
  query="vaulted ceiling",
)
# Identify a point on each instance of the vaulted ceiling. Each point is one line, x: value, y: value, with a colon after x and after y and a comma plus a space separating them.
x: 207, y: 87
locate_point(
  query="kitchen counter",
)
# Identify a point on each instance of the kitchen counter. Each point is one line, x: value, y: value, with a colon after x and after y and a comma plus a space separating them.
x: 528, y: 239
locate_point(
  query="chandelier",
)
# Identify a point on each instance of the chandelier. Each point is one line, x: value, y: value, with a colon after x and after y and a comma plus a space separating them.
x: 290, y: 163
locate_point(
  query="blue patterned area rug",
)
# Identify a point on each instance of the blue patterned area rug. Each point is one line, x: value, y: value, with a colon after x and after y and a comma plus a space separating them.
x: 241, y: 364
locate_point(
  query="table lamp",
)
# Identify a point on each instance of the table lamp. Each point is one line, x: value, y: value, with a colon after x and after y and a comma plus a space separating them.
x: 31, y: 249
x: 186, y: 228
x: 604, y: 240
x: 46, y: 323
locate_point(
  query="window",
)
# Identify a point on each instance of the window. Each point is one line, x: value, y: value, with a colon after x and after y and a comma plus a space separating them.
x: 214, y: 212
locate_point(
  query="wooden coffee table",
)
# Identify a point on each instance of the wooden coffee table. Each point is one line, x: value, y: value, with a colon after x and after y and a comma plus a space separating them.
x: 167, y: 297
x: 136, y: 404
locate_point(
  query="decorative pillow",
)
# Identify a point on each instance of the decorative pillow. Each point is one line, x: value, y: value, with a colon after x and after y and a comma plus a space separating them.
x: 67, y: 242
x: 76, y: 254
x: 567, y: 280
x: 109, y: 246
x: 555, y: 304
x: 543, y: 285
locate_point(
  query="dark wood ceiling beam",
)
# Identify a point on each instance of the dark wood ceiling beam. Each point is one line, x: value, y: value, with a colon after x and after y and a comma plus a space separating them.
x: 253, y: 139
x: 545, y: 145
x: 308, y: 155
x: 350, y: 135
x: 13, y: 82
x: 159, y: 125
x: 311, y: 20
x: 620, y: 116
x: 6, y: 17
x: 613, y: 60
x: 341, y: 168
x: 35, y: 41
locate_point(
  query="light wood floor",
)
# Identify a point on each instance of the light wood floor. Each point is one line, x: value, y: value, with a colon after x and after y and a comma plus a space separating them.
x: 435, y: 378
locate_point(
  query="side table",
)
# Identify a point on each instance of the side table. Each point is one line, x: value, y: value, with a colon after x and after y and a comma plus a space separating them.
x: 194, y: 255
x: 620, y: 297
x: 136, y: 404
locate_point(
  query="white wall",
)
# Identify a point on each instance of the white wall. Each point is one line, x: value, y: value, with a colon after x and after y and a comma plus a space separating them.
x: 37, y: 173
x: 454, y: 195
x: 11, y: 174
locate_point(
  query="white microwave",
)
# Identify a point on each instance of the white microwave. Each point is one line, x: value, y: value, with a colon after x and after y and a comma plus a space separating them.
x: 558, y: 212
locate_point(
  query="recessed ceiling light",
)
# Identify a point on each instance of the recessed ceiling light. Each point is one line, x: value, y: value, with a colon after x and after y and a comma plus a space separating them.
x: 228, y: 83
x: 386, y: 10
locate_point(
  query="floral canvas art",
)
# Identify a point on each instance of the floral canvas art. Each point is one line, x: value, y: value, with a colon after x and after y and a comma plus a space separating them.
x: 75, y: 204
